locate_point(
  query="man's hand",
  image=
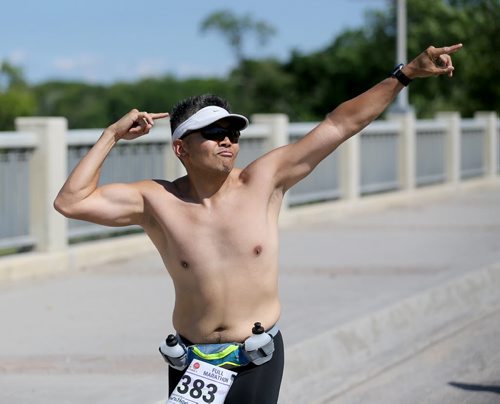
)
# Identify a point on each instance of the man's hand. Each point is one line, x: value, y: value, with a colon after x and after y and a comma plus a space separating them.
x: 135, y: 124
x: 432, y: 62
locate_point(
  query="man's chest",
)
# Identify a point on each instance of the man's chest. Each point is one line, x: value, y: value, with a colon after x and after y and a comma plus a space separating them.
x: 239, y: 221
x: 233, y: 226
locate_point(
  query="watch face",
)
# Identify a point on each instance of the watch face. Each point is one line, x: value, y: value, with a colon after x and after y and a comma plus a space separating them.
x: 398, y: 68
x: 398, y: 74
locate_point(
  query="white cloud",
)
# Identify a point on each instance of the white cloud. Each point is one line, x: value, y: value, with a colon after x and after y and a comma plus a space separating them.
x: 201, y: 70
x: 78, y: 62
x: 151, y: 68
x: 17, y: 56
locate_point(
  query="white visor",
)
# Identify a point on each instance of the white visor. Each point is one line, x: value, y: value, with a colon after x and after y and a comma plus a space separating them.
x: 206, y: 116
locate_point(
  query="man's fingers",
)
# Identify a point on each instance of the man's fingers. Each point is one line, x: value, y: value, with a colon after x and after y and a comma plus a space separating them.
x: 149, y: 118
x: 441, y: 59
x: 141, y: 121
x: 444, y: 61
x: 454, y: 48
x: 447, y: 50
x: 144, y: 121
x: 159, y: 115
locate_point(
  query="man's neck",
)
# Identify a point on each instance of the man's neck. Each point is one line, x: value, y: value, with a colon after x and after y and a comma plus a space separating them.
x: 204, y: 186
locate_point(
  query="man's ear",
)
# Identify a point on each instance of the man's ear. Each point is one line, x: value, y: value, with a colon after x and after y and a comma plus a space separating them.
x: 178, y: 147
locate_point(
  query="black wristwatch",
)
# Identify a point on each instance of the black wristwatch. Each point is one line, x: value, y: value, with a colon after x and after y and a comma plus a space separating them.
x: 398, y: 73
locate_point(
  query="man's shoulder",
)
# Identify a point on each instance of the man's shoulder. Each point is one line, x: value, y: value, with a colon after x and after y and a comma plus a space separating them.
x: 179, y: 188
x: 154, y: 185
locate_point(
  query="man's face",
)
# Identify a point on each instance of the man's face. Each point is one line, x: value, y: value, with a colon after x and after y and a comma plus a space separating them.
x: 214, y: 147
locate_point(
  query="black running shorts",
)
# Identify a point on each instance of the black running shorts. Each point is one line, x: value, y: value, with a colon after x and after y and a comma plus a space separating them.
x: 254, y: 384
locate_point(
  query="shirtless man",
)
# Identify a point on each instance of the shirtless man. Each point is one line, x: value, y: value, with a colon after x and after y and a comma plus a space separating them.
x: 216, y: 228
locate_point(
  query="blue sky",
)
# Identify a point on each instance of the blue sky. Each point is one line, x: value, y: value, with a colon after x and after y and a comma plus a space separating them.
x: 103, y: 41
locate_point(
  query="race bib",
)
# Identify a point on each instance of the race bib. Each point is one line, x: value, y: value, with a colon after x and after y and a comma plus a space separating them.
x: 203, y: 383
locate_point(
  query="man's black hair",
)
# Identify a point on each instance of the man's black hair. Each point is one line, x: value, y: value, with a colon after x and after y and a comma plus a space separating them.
x: 189, y: 106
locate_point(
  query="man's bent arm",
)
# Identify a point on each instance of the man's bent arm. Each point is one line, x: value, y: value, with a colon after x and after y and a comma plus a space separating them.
x: 113, y: 204
x: 297, y: 160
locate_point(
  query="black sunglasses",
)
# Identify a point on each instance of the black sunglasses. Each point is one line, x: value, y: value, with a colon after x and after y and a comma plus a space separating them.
x: 217, y: 133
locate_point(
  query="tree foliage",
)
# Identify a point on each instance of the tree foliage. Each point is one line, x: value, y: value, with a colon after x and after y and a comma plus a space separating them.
x: 305, y: 86
x: 475, y: 85
x: 16, y: 99
x: 235, y: 29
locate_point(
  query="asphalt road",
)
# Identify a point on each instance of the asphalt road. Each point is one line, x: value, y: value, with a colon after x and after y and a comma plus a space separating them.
x: 463, y: 368
x: 91, y: 336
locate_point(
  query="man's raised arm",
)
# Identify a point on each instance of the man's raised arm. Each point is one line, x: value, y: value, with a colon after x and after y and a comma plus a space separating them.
x: 353, y: 115
x: 297, y: 160
x: 113, y: 204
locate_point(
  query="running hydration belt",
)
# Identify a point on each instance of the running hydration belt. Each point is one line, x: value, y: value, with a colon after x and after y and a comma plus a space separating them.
x: 227, y: 355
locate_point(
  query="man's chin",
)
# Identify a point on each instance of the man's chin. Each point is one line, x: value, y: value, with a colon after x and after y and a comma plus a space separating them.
x: 227, y: 168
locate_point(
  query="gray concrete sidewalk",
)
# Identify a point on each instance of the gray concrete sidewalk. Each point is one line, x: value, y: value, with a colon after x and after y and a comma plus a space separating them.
x: 373, y: 288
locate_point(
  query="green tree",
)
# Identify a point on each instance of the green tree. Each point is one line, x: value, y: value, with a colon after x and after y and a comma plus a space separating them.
x: 478, y: 86
x: 344, y: 69
x: 84, y: 105
x: 95, y: 106
x: 306, y: 86
x: 236, y: 28
x: 267, y: 87
x: 359, y: 58
x: 475, y: 85
x: 16, y: 98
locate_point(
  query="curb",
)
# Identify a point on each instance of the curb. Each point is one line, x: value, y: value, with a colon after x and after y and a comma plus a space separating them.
x: 350, y: 354
x: 33, y: 265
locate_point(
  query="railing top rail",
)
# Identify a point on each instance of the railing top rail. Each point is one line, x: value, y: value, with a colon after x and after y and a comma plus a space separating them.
x: 382, y: 127
x: 256, y: 130
x: 88, y: 137
x: 375, y: 128
x: 18, y: 140
x: 301, y: 128
x: 470, y: 123
x: 430, y: 125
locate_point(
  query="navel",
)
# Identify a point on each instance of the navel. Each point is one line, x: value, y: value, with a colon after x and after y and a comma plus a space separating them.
x: 257, y: 250
x: 184, y: 264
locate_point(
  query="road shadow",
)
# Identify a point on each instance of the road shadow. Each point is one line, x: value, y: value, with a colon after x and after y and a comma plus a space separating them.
x: 476, y: 387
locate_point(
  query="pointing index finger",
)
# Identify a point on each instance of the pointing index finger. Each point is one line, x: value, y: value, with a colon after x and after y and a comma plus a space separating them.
x: 159, y: 115
x: 450, y: 49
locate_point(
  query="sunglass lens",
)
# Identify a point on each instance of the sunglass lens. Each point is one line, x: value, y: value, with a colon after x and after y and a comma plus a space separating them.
x: 218, y: 134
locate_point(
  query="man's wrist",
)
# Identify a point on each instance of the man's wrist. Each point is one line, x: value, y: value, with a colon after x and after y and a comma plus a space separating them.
x: 409, y: 72
x: 399, y: 74
x: 111, y: 134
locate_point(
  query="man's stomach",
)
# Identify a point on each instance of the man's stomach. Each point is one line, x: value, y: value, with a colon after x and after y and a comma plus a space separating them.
x: 225, y: 315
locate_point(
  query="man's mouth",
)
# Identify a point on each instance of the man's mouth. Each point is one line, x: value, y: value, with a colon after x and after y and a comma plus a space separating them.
x: 225, y: 153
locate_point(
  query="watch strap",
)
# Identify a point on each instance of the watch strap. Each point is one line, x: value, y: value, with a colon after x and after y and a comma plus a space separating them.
x: 400, y: 76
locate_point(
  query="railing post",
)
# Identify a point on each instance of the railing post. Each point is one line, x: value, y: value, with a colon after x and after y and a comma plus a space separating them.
x: 278, y: 128
x: 350, y: 169
x: 48, y: 171
x: 490, y: 142
x: 278, y: 134
x: 407, y: 159
x: 453, y: 146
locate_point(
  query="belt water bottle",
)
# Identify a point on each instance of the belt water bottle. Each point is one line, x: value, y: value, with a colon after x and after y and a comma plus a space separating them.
x: 259, y: 346
x: 174, y: 352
